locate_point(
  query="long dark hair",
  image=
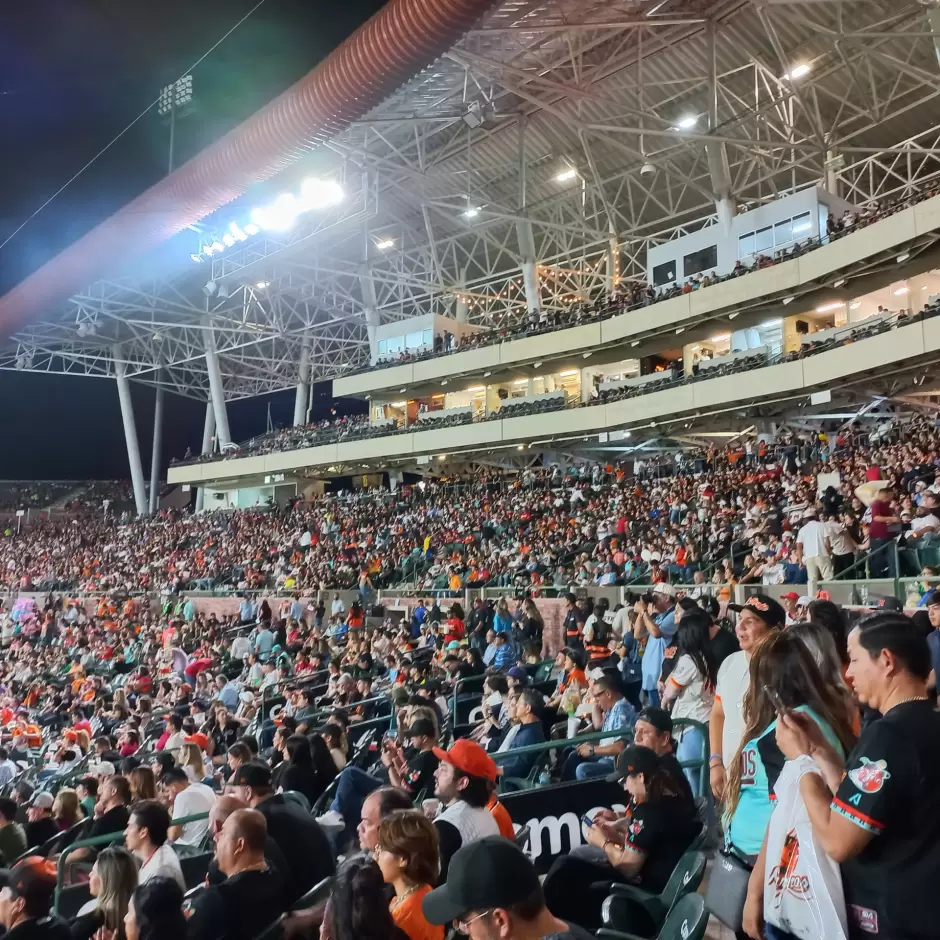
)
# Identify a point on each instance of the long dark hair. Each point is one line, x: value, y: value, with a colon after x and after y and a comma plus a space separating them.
x: 694, y: 641
x: 323, y: 762
x: 829, y: 615
x: 158, y: 908
x: 783, y: 663
x: 298, y: 751
x: 358, y: 908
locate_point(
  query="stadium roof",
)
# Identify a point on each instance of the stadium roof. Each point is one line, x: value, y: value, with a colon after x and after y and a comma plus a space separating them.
x: 592, y: 120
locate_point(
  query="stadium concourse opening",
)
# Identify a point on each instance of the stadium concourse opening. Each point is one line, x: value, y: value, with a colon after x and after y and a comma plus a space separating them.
x: 600, y: 593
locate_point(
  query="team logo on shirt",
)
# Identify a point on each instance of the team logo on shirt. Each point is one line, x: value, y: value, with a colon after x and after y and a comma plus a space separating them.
x: 636, y: 827
x: 871, y: 776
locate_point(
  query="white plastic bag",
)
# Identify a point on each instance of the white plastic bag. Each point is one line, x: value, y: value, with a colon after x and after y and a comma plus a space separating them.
x: 802, y: 885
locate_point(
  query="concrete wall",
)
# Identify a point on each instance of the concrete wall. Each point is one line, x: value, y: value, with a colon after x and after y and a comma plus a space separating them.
x: 897, y: 346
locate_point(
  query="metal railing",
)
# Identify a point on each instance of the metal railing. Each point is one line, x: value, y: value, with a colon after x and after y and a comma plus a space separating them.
x: 97, y: 842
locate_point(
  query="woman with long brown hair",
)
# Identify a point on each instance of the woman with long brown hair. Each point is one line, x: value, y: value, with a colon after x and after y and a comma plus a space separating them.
x: 783, y: 676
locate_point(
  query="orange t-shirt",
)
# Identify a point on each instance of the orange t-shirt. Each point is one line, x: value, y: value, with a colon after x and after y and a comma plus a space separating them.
x: 409, y: 917
x: 502, y: 817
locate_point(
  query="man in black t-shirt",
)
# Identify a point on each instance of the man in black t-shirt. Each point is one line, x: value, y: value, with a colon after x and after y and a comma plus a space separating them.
x: 302, y: 841
x: 412, y: 768
x: 879, y: 816
x: 251, y: 896
x: 41, y: 826
x: 491, y: 878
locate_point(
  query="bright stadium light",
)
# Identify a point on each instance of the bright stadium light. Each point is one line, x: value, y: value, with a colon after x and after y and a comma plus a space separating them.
x: 687, y: 123
x: 281, y: 214
x: 472, y: 212
x: 385, y: 244
x: 320, y: 194
x: 798, y: 71
x: 566, y: 175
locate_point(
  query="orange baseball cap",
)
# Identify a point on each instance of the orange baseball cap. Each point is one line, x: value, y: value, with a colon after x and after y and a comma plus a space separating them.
x: 468, y: 756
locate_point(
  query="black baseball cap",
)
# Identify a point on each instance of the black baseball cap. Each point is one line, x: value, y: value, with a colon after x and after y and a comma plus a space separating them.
x: 489, y: 873
x: 769, y: 610
x: 34, y: 880
x: 421, y: 726
x: 253, y: 774
x: 933, y: 598
x: 635, y: 760
x: 659, y: 718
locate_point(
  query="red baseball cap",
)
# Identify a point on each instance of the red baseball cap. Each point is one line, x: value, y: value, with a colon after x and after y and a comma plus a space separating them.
x: 790, y: 596
x: 468, y: 756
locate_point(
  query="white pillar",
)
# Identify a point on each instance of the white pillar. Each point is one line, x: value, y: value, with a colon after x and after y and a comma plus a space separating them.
x: 130, y: 431
x: 303, y: 385
x: 155, y: 456
x: 530, y: 277
x: 208, y: 430
x: 215, y: 386
x: 587, y: 385
x: 462, y: 308
x: 613, y: 260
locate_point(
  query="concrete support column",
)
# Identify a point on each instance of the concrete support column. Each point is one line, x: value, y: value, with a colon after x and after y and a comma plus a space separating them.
x: 613, y: 261
x: 215, y: 387
x: 587, y: 385
x: 373, y: 320
x: 833, y: 185
x: 530, y: 277
x: 303, y: 385
x: 156, y: 456
x: 208, y: 432
x: 130, y: 431
x: 462, y: 307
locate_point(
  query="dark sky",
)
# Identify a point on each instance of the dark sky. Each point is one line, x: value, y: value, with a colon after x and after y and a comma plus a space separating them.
x: 72, y: 76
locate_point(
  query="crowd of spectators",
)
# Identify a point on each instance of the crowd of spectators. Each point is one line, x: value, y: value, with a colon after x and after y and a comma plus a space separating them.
x: 356, y: 428
x: 634, y: 294
x: 741, y: 513
x: 238, y: 771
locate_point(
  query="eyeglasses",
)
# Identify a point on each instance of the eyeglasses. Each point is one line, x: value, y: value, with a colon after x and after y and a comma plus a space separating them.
x: 463, y: 926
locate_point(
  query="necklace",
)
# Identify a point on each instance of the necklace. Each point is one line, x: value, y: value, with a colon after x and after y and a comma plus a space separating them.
x: 910, y: 698
x: 402, y: 897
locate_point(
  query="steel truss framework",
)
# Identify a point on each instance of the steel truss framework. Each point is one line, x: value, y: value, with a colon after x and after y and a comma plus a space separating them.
x: 592, y: 85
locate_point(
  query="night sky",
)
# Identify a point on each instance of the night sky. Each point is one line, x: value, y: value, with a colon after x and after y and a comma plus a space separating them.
x: 72, y: 76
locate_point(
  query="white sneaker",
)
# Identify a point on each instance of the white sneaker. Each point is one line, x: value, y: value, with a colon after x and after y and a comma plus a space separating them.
x: 331, y: 820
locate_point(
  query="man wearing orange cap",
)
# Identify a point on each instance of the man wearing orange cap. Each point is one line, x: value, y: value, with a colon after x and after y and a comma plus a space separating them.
x: 462, y: 782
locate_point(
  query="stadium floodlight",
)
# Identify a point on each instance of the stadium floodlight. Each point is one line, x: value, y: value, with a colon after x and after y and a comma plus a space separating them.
x: 687, y: 123
x: 472, y: 212
x: 385, y: 244
x: 280, y: 215
x: 320, y: 194
x: 261, y: 285
x: 565, y: 175
x: 174, y: 98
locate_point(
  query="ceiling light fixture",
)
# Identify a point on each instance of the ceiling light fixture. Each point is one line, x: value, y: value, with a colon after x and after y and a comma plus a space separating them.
x: 687, y: 123
x: 798, y: 71
x: 385, y: 244
x: 828, y: 308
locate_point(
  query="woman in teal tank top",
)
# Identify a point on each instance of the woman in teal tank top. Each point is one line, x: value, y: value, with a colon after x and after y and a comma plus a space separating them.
x: 783, y: 674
